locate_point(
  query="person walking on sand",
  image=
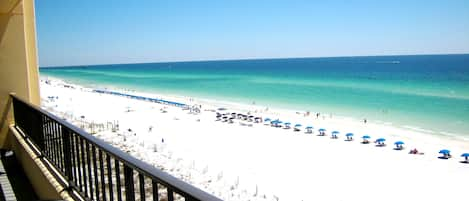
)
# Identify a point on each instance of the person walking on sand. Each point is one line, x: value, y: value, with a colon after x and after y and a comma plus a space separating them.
x: 364, y: 120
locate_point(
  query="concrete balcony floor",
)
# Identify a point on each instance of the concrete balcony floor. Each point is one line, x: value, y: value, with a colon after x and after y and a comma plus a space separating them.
x: 14, y: 185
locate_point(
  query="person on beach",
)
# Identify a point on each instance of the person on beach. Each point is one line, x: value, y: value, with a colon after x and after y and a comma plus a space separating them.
x: 364, y: 120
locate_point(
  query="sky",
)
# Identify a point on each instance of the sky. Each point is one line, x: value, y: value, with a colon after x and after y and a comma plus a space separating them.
x: 86, y: 32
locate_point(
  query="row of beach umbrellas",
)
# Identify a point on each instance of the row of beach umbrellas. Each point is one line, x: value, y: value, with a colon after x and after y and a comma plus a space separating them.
x: 231, y: 116
x: 366, y: 138
x: 447, y: 154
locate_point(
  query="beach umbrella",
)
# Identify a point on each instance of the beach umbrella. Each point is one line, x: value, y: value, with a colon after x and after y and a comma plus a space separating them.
x: 465, y: 155
x: 322, y: 129
x: 287, y: 123
x: 267, y: 119
x: 309, y: 127
x: 349, y: 136
x: 334, y: 134
x: 258, y: 119
x: 366, y: 137
x: 380, y: 140
x: 399, y: 145
x: 297, y: 125
x: 444, y: 151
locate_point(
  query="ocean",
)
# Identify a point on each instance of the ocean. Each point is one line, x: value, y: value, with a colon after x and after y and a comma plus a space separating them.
x: 428, y: 93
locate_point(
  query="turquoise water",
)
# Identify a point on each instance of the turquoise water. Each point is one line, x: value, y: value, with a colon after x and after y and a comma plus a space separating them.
x: 429, y: 92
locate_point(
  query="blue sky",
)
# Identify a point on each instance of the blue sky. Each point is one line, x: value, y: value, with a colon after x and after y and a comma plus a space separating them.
x: 122, y: 31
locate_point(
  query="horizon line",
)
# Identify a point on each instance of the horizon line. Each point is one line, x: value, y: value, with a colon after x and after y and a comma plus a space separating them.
x: 262, y: 58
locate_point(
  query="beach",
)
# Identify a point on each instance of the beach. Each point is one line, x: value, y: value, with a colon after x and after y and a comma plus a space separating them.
x: 254, y: 161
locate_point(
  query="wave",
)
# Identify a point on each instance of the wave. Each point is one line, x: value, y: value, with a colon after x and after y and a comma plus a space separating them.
x: 388, y: 62
x: 419, y: 129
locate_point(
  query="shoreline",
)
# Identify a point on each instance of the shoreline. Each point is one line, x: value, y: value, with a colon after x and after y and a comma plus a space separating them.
x: 244, y: 107
x: 238, y: 162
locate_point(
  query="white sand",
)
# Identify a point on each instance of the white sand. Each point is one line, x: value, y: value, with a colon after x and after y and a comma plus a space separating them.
x: 260, y: 162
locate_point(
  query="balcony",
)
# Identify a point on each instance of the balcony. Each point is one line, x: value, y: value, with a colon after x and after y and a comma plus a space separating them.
x: 82, y: 167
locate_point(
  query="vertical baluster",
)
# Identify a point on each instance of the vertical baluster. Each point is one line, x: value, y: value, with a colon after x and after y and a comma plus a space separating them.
x: 44, y: 128
x: 58, y: 148
x: 141, y: 182
x: 101, y: 169
x: 79, y: 166
x: 67, y: 152
x: 40, y: 129
x: 47, y: 137
x: 118, y: 180
x: 154, y: 186
x: 74, y: 153
x: 95, y: 171
x: 109, y: 177
x: 61, y: 147
x: 53, y: 142
x: 50, y: 137
x: 129, y: 183
x: 90, y: 174
x: 83, y: 161
x: 170, y: 194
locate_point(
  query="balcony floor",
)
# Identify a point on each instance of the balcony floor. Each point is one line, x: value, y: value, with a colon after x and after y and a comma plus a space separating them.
x: 19, y: 183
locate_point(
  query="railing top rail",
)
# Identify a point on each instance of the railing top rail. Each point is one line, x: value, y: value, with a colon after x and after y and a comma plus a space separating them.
x: 178, y: 185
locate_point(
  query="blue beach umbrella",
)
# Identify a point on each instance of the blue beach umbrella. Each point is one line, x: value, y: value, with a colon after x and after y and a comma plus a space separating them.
x: 287, y: 123
x: 309, y: 127
x: 366, y: 137
x: 335, y: 132
x: 267, y: 119
x: 322, y: 129
x: 297, y: 125
x: 465, y: 155
x: 381, y: 140
x: 444, y: 151
x: 349, y: 136
x: 399, y: 145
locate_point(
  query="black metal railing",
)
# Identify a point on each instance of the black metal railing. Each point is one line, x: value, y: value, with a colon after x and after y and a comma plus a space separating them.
x: 93, y: 168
